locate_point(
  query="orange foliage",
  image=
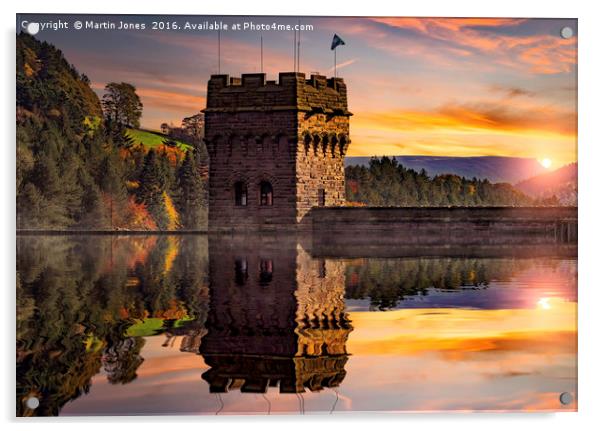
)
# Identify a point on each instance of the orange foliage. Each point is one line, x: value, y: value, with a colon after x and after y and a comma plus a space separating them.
x: 176, y: 311
x: 138, y: 250
x: 123, y: 313
x: 355, y: 204
x: 173, y: 247
x: 139, y: 217
x: 173, y: 153
x: 172, y: 213
x: 353, y: 185
x: 132, y: 185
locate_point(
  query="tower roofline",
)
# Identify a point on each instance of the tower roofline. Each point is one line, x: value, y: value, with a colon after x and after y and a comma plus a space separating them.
x: 251, y: 92
x: 254, y: 80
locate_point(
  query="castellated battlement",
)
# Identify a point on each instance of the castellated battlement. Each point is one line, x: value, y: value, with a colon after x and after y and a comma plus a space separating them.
x: 252, y: 92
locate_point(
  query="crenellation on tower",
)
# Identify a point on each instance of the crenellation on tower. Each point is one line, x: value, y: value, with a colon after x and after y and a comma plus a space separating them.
x: 276, y: 149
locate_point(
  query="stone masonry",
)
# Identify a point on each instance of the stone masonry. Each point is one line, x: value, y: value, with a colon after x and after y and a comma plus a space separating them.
x: 276, y: 316
x: 276, y: 149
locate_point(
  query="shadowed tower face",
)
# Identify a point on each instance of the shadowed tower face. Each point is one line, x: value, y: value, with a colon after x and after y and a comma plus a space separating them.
x: 276, y: 149
x: 277, y: 318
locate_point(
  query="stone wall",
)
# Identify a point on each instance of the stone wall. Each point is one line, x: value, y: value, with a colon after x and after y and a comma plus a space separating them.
x: 323, y: 143
x: 431, y: 226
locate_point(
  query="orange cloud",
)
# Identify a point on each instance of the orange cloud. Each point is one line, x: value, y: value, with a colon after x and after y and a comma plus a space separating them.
x: 470, y: 117
x: 170, y: 100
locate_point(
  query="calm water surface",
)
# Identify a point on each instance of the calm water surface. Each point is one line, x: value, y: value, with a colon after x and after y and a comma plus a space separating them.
x: 196, y: 325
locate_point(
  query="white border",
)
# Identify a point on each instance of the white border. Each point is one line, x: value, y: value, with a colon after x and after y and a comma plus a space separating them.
x: 590, y: 168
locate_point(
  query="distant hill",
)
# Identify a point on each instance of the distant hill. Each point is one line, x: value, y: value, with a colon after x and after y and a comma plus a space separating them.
x: 561, y: 183
x: 496, y: 169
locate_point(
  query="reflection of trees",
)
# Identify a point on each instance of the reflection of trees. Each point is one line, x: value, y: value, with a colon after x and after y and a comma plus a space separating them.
x: 121, y: 360
x: 77, y: 298
x: 387, y: 281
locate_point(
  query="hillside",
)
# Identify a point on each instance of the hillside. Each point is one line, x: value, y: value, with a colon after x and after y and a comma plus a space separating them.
x: 561, y: 183
x: 75, y: 171
x: 48, y: 85
x: 495, y: 169
x: 59, y: 140
x: 153, y: 139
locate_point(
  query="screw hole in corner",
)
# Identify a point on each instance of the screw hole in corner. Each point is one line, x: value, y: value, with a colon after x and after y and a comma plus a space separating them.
x: 566, y: 32
x: 566, y: 398
x: 32, y: 403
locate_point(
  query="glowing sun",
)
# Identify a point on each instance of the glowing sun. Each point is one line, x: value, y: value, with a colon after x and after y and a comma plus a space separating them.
x: 544, y: 303
x: 546, y: 163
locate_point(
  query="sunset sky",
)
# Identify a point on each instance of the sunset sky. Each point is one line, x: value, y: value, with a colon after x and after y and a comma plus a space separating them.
x: 417, y: 86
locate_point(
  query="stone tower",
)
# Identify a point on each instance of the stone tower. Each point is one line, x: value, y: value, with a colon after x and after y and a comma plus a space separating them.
x: 276, y: 149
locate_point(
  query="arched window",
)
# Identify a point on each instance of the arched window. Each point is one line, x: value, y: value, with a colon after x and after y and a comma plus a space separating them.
x: 316, y: 144
x: 307, y: 143
x: 266, y: 194
x: 282, y: 144
x: 241, y: 271
x: 234, y: 146
x: 343, y: 141
x: 266, y: 270
x: 325, y: 142
x: 240, y: 194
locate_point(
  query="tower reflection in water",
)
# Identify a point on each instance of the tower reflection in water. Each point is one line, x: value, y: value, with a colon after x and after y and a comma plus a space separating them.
x: 276, y: 318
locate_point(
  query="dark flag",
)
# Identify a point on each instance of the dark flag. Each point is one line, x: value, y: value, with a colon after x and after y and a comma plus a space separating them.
x: 336, y: 41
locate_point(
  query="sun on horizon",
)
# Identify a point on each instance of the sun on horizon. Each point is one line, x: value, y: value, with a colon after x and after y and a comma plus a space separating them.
x: 546, y: 163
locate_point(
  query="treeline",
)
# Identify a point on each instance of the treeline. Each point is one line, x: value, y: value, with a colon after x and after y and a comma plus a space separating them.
x: 385, y: 182
x: 77, y: 168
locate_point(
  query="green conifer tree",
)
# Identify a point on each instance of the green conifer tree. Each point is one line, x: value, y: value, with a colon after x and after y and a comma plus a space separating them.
x: 152, y: 184
x: 190, y: 193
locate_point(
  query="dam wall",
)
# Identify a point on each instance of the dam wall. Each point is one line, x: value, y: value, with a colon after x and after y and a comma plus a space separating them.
x: 376, y: 226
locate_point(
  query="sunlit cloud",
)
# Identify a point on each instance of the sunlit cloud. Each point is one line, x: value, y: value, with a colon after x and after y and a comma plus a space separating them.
x: 511, y: 91
x: 540, y: 53
x: 171, y: 100
x: 475, y: 117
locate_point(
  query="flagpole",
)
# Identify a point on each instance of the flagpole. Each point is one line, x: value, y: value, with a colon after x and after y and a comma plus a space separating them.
x: 295, y: 51
x: 299, y: 48
x: 261, y: 41
x: 219, y: 51
x: 336, y: 41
